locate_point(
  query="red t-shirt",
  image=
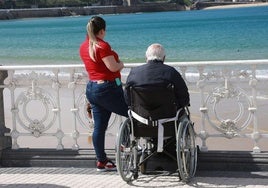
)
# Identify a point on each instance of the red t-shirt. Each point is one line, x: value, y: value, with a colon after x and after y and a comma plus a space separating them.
x: 97, y: 70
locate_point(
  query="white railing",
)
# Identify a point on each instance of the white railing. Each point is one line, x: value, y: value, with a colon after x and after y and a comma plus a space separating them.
x: 45, y: 105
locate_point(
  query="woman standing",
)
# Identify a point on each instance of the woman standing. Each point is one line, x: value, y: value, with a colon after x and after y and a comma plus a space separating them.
x: 104, y: 90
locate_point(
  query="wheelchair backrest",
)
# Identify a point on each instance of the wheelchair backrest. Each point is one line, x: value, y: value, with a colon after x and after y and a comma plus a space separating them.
x: 153, y: 102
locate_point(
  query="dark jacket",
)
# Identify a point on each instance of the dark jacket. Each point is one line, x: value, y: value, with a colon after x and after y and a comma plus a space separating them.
x: 155, y: 72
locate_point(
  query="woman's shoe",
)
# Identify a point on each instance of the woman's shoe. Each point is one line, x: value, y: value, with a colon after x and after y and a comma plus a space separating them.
x: 107, y: 165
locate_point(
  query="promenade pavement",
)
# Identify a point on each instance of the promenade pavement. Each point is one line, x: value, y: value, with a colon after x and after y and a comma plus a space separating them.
x: 36, y: 177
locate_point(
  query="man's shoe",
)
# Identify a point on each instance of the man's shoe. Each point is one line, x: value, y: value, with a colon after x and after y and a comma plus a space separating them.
x: 108, y: 165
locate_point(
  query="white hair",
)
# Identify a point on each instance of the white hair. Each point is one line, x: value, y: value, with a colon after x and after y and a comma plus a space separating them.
x: 155, y: 52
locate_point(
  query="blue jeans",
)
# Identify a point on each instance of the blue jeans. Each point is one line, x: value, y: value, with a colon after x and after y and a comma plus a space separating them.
x: 104, y: 98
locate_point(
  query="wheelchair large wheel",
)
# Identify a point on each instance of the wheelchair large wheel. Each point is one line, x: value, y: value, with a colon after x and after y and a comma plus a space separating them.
x: 124, y: 152
x: 186, y: 150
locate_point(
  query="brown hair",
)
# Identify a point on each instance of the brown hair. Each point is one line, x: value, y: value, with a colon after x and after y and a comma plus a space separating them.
x: 95, y: 24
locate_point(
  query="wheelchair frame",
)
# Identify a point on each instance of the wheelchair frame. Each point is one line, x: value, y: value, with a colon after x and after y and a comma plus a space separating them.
x: 131, y: 156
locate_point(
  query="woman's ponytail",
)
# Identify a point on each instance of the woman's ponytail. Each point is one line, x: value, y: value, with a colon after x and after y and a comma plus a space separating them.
x: 94, y: 25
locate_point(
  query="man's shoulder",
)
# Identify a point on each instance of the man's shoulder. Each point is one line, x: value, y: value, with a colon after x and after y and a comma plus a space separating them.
x: 138, y: 68
x: 168, y: 68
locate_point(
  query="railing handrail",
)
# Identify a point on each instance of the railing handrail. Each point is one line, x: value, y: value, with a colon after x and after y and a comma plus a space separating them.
x: 211, y: 83
x: 130, y: 65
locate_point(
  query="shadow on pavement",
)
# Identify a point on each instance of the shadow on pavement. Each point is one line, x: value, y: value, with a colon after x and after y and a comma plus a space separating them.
x: 32, y: 186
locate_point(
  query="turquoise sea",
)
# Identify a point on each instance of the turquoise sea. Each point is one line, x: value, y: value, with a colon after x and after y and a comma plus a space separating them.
x: 219, y: 34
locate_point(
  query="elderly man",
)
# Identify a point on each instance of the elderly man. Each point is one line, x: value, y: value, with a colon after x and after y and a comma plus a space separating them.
x: 156, y: 72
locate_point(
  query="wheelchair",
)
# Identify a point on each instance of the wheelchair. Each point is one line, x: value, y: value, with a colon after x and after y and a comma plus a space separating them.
x: 154, y: 120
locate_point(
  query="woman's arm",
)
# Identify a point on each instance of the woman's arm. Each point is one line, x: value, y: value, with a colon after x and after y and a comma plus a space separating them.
x: 111, y: 63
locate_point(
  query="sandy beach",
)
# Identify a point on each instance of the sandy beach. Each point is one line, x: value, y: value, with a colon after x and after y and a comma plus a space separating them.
x: 255, y: 4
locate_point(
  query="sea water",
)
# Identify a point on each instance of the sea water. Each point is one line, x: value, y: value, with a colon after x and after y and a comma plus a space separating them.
x: 201, y: 35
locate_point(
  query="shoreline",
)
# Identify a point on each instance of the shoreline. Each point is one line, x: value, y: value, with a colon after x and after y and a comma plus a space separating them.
x: 255, y: 4
x: 7, y: 14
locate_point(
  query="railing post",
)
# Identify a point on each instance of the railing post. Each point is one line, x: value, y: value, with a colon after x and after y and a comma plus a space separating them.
x: 5, y: 141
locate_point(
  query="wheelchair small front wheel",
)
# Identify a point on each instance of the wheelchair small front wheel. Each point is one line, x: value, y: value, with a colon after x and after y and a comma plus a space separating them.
x: 124, y: 153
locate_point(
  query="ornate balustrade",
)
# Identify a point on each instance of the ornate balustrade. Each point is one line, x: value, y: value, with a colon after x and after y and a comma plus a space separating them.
x: 45, y: 106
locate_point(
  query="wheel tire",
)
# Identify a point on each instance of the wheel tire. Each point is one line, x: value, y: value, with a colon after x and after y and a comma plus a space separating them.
x: 186, y: 150
x: 124, y: 153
